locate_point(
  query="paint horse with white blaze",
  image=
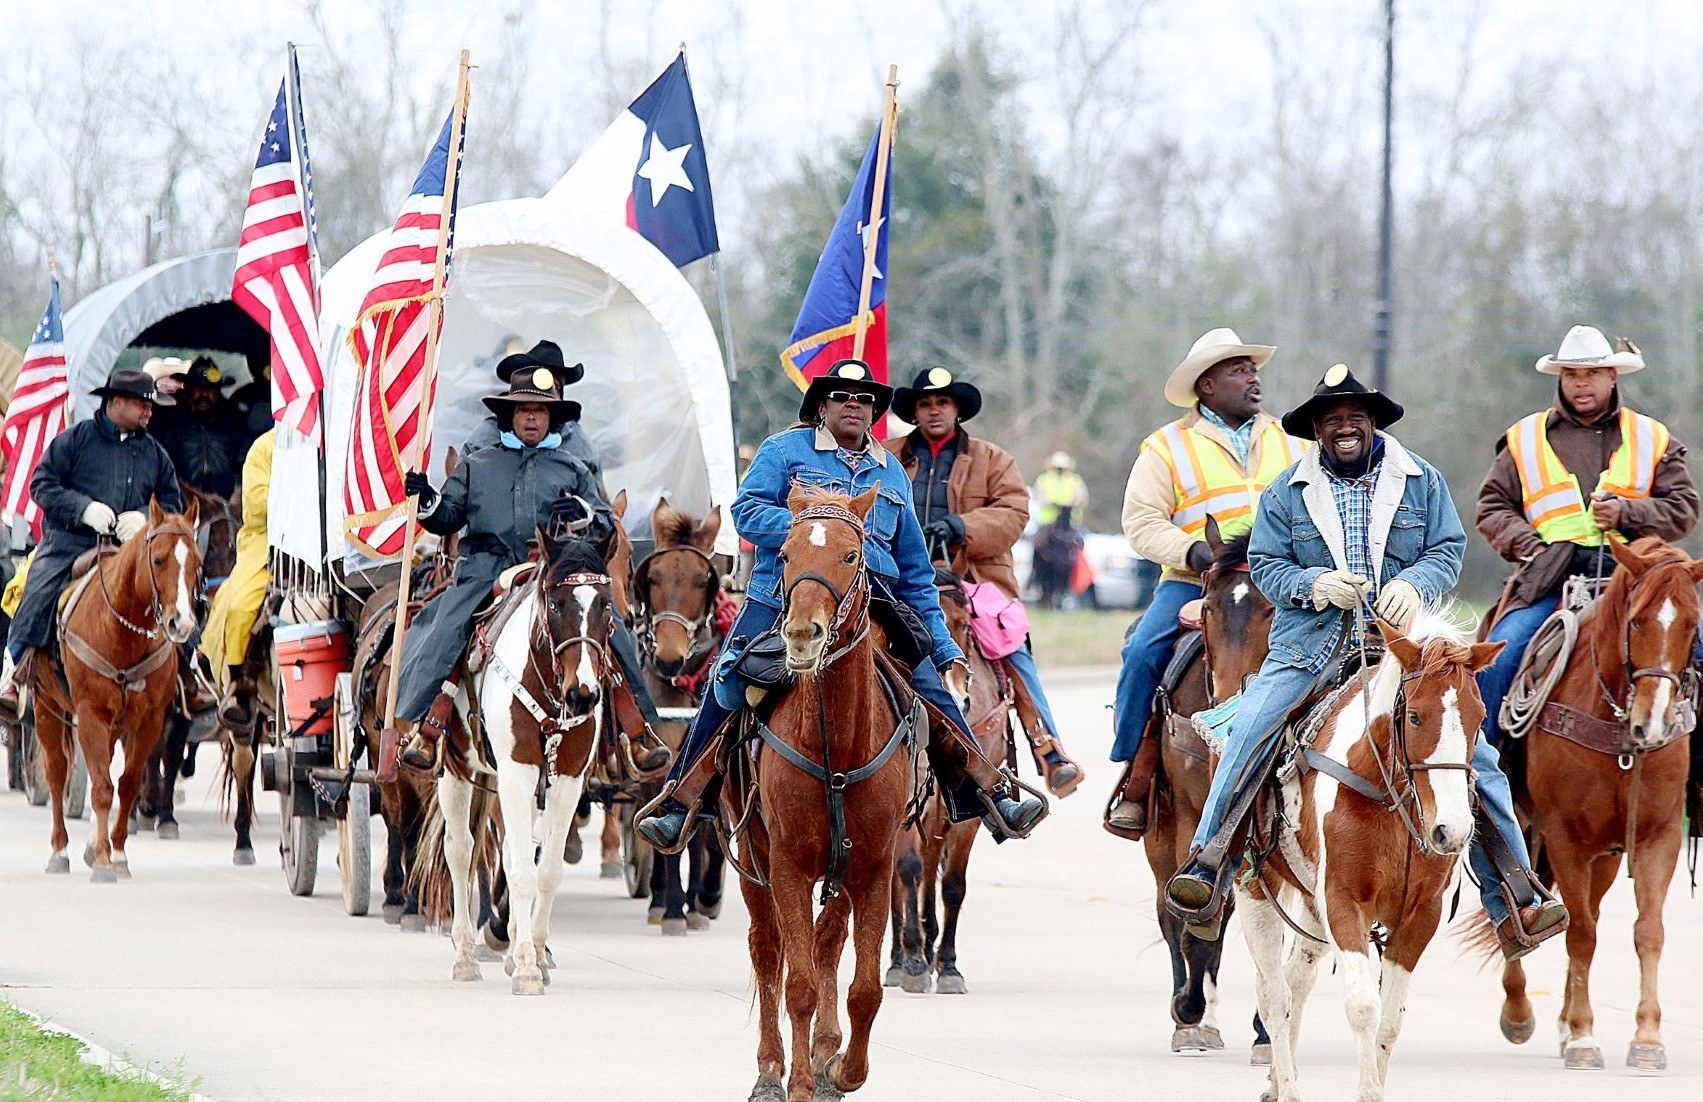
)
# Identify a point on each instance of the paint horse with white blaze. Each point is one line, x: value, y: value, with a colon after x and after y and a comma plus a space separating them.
x: 1380, y: 802
x: 539, y: 699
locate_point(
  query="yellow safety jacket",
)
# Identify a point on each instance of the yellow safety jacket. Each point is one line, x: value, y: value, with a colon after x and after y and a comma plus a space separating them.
x: 1551, y: 496
x: 1207, y: 481
x: 1058, y: 489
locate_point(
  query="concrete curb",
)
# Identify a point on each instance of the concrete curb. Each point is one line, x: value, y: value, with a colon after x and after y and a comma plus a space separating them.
x: 96, y: 1056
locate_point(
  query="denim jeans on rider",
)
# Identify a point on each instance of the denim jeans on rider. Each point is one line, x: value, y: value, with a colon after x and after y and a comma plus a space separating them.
x: 1022, y: 662
x: 1498, y: 803
x: 1145, y: 657
x: 1517, y: 629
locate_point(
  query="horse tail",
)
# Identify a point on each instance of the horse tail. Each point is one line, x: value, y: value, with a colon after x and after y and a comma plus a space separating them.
x: 429, y: 876
x: 1475, y: 934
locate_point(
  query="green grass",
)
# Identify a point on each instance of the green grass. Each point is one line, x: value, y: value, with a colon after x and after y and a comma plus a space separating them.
x: 42, y: 1066
x: 1081, y: 637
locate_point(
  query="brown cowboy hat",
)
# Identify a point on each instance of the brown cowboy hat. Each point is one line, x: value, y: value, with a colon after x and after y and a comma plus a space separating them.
x: 536, y: 387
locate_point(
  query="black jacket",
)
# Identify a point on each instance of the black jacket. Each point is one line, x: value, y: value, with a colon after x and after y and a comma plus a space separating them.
x: 88, y: 462
x: 207, y: 455
x: 502, y: 496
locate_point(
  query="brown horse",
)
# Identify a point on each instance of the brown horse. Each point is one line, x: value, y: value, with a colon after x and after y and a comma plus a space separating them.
x: 1235, y: 622
x: 838, y: 721
x: 676, y: 596
x: 1398, y: 739
x: 1604, y: 776
x: 936, y: 851
x: 119, y: 634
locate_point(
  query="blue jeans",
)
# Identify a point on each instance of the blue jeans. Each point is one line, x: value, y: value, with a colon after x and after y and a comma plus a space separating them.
x: 1022, y: 663
x: 1145, y: 657
x: 1497, y: 801
x: 1517, y: 629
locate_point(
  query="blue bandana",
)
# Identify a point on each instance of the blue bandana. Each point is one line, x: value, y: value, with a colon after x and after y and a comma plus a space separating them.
x: 513, y: 442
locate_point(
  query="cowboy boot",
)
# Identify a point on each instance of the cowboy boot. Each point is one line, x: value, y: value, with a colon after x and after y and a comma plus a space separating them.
x: 13, y: 678
x: 1129, y: 815
x: 649, y: 752
x: 668, y: 821
x: 956, y: 757
x: 424, y: 751
x: 1530, y: 925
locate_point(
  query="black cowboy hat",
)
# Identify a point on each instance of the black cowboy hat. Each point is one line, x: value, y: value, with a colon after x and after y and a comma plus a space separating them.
x: 546, y: 354
x: 1339, y: 384
x: 937, y: 380
x: 128, y: 383
x: 204, y: 372
x: 539, y: 386
x: 855, y: 372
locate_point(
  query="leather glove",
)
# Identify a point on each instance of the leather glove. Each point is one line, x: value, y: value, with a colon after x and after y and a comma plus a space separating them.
x: 1397, y: 602
x: 946, y: 531
x: 100, y: 517
x: 1338, y: 587
x: 415, y: 484
x: 128, y: 524
x: 1199, y: 556
x: 570, y: 512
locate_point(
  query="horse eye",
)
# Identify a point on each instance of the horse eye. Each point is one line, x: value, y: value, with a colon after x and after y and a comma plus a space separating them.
x: 1413, y: 720
x: 780, y: 556
x: 851, y: 556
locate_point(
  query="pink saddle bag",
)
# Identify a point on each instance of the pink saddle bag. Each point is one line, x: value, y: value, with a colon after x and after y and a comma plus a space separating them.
x: 999, y: 623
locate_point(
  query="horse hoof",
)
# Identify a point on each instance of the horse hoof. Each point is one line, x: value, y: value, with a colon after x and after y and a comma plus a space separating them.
x: 673, y: 927
x: 950, y: 983
x: 121, y: 869
x: 527, y: 985
x: 167, y: 830
x: 1647, y: 1057
x: 243, y: 857
x: 392, y: 913
x: 574, y: 850
x: 826, y: 1088
x: 140, y: 823
x: 465, y: 971
x: 485, y: 954
x: 546, y: 959
x: 1189, y: 1041
x: 413, y: 923
x: 497, y: 942
x: 653, y: 916
x: 59, y: 865
x: 893, y: 976
x: 1260, y: 1056
x: 711, y: 911
x: 89, y: 856
x: 919, y: 984
x: 767, y: 1092
x: 1517, y: 1032
x: 696, y: 921
x: 1210, y: 1036
x: 103, y: 874
x: 1583, y: 1057
x: 610, y: 870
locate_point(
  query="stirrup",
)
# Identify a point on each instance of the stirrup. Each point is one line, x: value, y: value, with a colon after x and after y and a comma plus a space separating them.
x: 1205, y: 922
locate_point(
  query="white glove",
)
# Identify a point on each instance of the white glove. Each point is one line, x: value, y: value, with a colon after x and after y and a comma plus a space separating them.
x: 129, y: 524
x: 1397, y: 602
x: 1338, y: 587
x: 99, y: 517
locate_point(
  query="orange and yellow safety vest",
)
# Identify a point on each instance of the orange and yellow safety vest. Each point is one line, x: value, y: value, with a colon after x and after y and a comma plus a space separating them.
x: 1551, y: 496
x: 1207, y: 481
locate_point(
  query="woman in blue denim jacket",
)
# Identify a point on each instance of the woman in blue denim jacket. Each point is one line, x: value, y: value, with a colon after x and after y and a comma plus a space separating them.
x: 832, y: 448
x: 1357, y: 499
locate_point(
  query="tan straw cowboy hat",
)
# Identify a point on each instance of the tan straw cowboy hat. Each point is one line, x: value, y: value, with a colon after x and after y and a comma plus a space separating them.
x: 1585, y: 346
x: 1214, y: 347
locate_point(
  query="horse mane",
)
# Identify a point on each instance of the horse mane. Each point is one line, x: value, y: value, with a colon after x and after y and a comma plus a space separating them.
x: 821, y: 495
x: 1232, y: 553
x: 674, y: 527
x: 575, y: 557
x: 1442, y: 638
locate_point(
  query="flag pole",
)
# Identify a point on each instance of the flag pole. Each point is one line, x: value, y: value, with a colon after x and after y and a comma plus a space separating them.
x: 298, y: 139
x: 428, y: 373
x: 52, y: 280
x: 872, y: 239
x: 732, y: 363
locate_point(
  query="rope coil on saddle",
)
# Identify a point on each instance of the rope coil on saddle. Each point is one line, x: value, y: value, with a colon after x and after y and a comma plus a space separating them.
x: 1540, y: 670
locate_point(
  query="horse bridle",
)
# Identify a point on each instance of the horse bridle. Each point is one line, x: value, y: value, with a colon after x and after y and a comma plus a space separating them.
x: 645, y: 618
x: 1206, y: 580
x: 1681, y: 682
x: 156, y: 606
x: 210, y: 518
x: 599, y: 647
x: 837, y: 626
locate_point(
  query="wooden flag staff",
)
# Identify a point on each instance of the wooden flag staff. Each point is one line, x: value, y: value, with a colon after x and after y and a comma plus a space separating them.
x: 428, y: 376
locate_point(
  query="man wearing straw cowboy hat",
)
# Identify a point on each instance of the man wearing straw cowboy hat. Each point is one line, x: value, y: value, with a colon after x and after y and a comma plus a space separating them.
x: 969, y: 499
x: 96, y: 479
x: 1534, y: 508
x: 1212, y: 461
x: 1325, y: 544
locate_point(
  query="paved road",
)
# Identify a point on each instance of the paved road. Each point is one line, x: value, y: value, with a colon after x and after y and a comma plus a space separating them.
x: 264, y: 997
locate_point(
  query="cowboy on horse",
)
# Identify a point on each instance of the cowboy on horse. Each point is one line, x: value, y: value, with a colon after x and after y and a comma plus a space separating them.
x: 1210, y: 463
x: 1358, y: 521
x: 503, y: 496
x: 96, y: 479
x: 831, y: 448
x: 548, y: 355
x: 972, y: 506
x: 1533, y: 508
x: 236, y: 606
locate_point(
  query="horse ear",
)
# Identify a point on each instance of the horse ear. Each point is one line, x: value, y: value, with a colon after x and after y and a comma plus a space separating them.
x: 619, y: 506
x: 863, y: 503
x: 193, y: 513
x: 1406, y: 650
x: 1214, y: 538
x: 1625, y: 556
x: 546, y: 545
x: 1695, y: 569
x: 155, y: 513
x: 1483, y: 654
x: 796, y: 500
x: 662, y: 510
x: 703, y: 537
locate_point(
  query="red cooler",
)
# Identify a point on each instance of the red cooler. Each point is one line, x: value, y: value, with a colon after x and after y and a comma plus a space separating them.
x: 310, y: 656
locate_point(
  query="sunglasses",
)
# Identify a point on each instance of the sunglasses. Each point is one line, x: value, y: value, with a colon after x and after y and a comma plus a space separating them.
x: 859, y: 396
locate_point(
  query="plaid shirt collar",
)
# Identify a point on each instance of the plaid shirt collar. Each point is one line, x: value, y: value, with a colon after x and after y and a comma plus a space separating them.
x: 1241, y: 440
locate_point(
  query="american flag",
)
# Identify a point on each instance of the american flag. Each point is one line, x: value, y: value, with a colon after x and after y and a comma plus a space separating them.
x: 388, y: 436
x: 275, y: 282
x: 37, y: 412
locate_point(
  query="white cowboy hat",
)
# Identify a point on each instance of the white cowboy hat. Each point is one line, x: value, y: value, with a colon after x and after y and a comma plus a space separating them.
x: 1214, y: 347
x: 1585, y: 346
x: 1061, y: 461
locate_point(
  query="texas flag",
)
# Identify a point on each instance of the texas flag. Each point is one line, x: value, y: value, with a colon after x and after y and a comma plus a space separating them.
x: 827, y: 321
x: 648, y: 171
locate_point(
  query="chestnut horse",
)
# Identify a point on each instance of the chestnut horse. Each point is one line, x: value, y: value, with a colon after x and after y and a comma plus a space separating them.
x: 936, y: 851
x: 1379, y: 802
x: 837, y: 720
x: 1604, y: 775
x: 1235, y: 623
x: 677, y: 598
x: 114, y: 677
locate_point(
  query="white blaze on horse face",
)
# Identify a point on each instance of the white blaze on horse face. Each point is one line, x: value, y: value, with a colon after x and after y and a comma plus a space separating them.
x: 585, y: 595
x: 1239, y: 594
x: 818, y: 534
x: 185, y: 613
x: 1449, y: 786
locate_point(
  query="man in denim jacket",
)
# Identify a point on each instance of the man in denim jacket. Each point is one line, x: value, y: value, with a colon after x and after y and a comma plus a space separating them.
x: 832, y: 448
x: 1356, y: 500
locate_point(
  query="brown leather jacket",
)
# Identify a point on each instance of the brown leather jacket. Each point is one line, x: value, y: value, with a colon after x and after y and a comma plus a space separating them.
x: 988, y: 491
x: 1669, y: 512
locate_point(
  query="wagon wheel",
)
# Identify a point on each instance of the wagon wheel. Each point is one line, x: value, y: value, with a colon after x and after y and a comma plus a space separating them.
x: 298, y: 835
x: 354, y: 829
x: 636, y: 855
